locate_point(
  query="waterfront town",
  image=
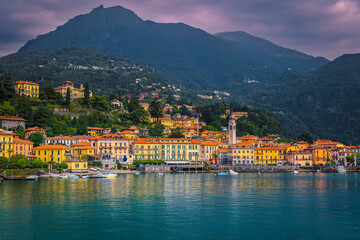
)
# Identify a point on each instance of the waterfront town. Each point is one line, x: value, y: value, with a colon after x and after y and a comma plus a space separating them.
x: 113, y: 148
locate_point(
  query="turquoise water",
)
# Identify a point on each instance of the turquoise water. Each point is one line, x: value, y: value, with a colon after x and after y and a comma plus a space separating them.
x: 177, y: 206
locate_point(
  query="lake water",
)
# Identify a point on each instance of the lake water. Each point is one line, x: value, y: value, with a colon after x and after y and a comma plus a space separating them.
x: 184, y: 206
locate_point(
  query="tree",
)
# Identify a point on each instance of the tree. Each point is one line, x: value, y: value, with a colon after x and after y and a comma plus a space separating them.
x: 50, y: 93
x: 36, y: 138
x: 176, y: 133
x: 7, y: 90
x: 207, y: 116
x: 61, y: 166
x: 217, y: 125
x: 4, y: 162
x: 38, y: 163
x: 155, y: 110
x: 87, y: 92
x: 215, y: 156
x: 6, y: 109
x: 185, y: 111
x: 20, y: 161
x: 139, y: 116
x: 306, y: 137
x: 350, y: 159
x: 113, y: 129
x: 20, y: 130
x: 156, y: 130
x: 133, y: 104
x: 68, y: 97
x: 112, y: 96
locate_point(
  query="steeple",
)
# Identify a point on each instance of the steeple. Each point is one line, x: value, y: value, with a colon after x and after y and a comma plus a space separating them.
x: 232, y: 130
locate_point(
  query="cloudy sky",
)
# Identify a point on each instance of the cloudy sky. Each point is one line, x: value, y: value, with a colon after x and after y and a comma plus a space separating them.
x: 326, y: 28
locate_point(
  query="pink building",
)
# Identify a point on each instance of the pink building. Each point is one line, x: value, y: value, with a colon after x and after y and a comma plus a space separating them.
x: 302, y: 158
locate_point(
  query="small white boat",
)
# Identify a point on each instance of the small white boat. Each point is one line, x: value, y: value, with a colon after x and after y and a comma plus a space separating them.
x: 84, y: 176
x: 62, y: 176
x: 137, y: 173
x: 74, y: 176
x: 54, y: 176
x: 159, y: 174
x: 231, y: 172
x: 32, y: 177
x: 296, y: 171
x: 341, y: 169
x: 110, y: 175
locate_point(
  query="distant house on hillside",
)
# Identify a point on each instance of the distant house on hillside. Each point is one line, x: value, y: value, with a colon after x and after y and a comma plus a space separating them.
x: 11, y: 122
x: 74, y: 92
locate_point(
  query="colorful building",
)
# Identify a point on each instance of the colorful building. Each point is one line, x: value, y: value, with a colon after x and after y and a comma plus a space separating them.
x: 6, y: 143
x: 167, y: 149
x: 321, y: 155
x: 74, y: 92
x: 112, y: 148
x: 27, y: 88
x: 23, y: 147
x: 76, y: 166
x: 95, y: 131
x: 301, y: 158
x: 11, y: 122
x: 52, y: 153
x: 128, y: 134
x: 32, y: 130
x: 270, y: 155
x: 242, y: 153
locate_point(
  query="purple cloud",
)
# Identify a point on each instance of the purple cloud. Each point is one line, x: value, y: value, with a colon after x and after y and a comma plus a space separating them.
x: 318, y: 27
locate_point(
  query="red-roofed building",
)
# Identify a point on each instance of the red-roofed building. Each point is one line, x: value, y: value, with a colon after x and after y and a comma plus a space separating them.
x: 11, y: 122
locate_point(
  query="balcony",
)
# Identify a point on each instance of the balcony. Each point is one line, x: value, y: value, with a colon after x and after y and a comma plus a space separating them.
x: 106, y: 147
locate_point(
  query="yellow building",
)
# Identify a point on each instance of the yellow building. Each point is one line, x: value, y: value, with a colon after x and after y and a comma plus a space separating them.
x: 167, y: 122
x: 167, y: 149
x: 74, y: 92
x: 270, y: 155
x: 82, y: 151
x: 128, y: 134
x: 32, y: 130
x: 75, y: 165
x: 6, y: 143
x: 95, y: 131
x: 27, y: 88
x: 52, y: 153
x: 242, y: 153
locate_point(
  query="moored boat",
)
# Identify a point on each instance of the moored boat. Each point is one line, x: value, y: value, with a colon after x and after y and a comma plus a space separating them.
x: 110, y: 175
x: 159, y: 174
x: 231, y: 172
x: 98, y: 175
x: 62, y: 176
x: 341, y: 169
x: 84, y: 176
x: 222, y: 174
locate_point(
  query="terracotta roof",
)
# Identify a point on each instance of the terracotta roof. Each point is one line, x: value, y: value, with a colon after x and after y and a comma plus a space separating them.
x: 18, y: 140
x: 12, y: 118
x: 94, y: 128
x: 26, y: 82
x: 52, y: 147
x: 34, y: 129
x: 80, y: 144
x: 67, y: 82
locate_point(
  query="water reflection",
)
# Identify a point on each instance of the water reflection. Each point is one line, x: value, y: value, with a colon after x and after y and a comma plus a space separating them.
x: 179, y: 206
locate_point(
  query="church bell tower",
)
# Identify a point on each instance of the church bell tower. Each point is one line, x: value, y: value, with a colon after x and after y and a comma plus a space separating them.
x: 232, y: 130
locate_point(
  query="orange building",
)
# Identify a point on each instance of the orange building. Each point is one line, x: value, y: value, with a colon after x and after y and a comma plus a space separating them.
x: 320, y: 155
x: 23, y: 147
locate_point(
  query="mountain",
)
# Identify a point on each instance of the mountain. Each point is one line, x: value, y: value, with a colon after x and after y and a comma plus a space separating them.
x: 265, y: 51
x: 325, y: 102
x: 104, y: 73
x: 178, y: 52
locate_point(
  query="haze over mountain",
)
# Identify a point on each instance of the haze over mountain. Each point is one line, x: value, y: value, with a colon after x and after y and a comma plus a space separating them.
x: 178, y: 52
x: 266, y: 51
